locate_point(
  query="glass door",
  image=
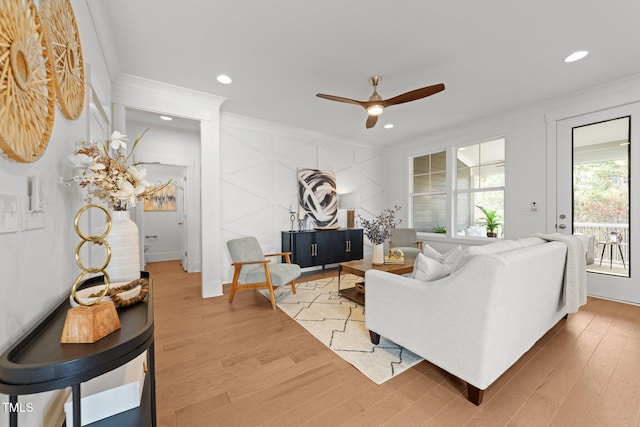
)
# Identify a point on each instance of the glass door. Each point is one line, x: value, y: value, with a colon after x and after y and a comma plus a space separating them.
x: 595, y: 197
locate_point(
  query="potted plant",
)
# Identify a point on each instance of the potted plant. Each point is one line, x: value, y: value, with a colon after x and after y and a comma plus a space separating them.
x: 490, y: 221
x: 439, y: 229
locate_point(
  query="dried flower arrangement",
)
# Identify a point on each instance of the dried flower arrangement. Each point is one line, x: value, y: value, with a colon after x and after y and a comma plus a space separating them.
x: 108, y: 177
x: 377, y: 230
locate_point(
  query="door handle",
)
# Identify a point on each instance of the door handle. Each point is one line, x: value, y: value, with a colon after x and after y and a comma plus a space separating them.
x: 180, y: 222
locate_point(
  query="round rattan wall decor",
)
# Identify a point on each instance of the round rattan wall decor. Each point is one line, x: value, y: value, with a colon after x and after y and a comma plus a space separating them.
x: 27, y: 97
x: 66, y: 52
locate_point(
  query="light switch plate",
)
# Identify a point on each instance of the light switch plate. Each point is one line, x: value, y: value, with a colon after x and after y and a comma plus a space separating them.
x: 9, y: 213
x: 31, y: 220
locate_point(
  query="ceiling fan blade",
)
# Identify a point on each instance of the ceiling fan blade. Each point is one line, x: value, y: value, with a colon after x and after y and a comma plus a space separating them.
x: 414, y: 95
x: 340, y: 99
x: 371, y: 121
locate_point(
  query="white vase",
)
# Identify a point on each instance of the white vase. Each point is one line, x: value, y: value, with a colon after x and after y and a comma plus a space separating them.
x: 125, y: 248
x: 377, y: 256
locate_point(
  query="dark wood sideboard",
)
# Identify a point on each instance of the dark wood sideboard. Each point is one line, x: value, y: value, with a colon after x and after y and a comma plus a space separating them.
x: 322, y: 247
x: 39, y: 362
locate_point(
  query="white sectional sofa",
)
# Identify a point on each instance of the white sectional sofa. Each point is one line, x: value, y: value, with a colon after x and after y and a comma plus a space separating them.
x: 478, y: 321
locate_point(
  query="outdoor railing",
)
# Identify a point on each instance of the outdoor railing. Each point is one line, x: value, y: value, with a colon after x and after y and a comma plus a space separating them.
x: 602, y: 232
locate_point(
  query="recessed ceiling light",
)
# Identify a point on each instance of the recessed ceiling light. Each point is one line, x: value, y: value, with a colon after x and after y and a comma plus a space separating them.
x: 167, y: 118
x: 224, y: 79
x: 576, y: 56
x: 388, y: 126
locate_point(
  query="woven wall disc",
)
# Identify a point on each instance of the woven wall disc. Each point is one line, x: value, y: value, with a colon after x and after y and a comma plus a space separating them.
x: 27, y: 97
x: 66, y: 52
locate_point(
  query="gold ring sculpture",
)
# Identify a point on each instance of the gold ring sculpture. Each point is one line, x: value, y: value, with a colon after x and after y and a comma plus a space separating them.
x: 99, y: 240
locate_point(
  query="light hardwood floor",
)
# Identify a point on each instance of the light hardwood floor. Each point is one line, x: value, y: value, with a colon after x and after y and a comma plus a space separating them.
x: 247, y: 365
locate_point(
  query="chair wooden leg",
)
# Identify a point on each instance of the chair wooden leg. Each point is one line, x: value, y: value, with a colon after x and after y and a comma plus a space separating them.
x: 272, y: 295
x: 234, y: 284
x: 293, y: 286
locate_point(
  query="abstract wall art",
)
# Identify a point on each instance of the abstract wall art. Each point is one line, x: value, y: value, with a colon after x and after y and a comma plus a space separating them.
x: 317, y: 198
x: 162, y: 200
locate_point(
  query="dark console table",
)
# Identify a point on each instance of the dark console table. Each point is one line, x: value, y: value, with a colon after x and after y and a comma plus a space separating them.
x: 321, y: 247
x: 39, y: 362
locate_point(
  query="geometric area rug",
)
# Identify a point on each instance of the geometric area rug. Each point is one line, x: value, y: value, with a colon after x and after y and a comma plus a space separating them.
x: 339, y: 324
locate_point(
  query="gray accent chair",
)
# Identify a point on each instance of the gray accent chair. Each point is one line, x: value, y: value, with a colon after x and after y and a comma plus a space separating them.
x: 405, y: 239
x: 253, y: 271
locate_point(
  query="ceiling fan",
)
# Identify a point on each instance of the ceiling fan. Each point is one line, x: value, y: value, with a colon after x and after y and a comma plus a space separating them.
x: 376, y: 105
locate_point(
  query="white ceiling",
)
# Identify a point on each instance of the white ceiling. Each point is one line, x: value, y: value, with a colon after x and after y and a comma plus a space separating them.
x: 494, y: 56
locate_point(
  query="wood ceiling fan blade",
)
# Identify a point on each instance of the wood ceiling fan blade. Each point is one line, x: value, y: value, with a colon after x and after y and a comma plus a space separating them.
x: 341, y: 99
x: 371, y: 121
x: 414, y: 95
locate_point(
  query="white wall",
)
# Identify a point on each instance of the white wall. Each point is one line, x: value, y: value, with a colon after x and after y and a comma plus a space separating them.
x: 37, y: 266
x: 259, y: 177
x: 529, y: 174
x: 176, y: 147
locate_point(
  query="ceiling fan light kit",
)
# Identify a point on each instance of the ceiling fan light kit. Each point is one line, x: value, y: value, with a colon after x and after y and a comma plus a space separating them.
x: 375, y: 110
x: 375, y: 105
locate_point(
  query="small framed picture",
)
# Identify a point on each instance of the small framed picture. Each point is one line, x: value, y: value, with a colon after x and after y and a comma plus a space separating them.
x: 163, y: 200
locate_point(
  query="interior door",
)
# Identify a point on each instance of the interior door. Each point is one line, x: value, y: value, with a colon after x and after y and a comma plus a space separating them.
x: 183, y: 221
x: 595, y: 195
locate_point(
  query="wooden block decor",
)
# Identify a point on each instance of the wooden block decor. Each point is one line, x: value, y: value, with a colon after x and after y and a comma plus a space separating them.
x: 85, y: 325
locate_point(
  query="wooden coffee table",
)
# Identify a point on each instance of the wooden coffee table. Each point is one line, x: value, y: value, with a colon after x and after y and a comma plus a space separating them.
x: 359, y: 268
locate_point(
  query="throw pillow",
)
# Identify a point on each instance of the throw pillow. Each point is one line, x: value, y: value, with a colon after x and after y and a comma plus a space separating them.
x: 428, y: 269
x: 430, y: 252
x: 450, y: 258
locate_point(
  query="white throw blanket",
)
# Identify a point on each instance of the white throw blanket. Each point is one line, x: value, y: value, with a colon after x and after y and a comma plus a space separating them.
x: 575, y: 272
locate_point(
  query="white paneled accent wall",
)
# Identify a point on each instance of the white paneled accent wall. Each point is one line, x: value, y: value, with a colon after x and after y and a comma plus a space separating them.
x: 259, y: 177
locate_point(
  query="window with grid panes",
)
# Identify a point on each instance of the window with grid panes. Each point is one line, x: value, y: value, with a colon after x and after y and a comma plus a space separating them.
x: 480, y: 181
x: 429, y: 193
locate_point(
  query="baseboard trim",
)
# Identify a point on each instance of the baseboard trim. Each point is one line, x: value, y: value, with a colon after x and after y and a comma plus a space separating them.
x: 210, y: 290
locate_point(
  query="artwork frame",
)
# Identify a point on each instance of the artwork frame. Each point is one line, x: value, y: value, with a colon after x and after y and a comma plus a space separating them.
x: 317, y: 199
x: 164, y: 200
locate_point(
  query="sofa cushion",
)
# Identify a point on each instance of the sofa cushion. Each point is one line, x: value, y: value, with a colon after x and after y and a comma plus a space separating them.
x: 427, y: 269
x: 492, y: 248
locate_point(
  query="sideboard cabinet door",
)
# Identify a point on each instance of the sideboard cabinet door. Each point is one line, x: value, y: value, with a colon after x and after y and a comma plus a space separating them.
x: 311, y: 248
x: 355, y: 244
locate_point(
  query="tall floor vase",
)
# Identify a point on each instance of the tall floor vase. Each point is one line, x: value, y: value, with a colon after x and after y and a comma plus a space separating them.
x: 125, y: 248
x: 377, y: 256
